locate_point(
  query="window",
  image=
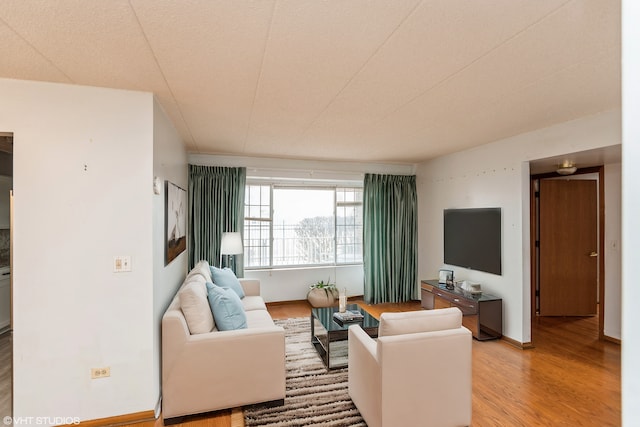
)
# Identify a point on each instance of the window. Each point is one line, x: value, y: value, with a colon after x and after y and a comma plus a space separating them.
x: 294, y: 226
x: 303, y: 226
x: 349, y: 225
x: 257, y: 226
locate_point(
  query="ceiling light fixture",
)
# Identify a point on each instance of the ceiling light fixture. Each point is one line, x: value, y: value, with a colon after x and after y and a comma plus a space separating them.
x: 567, y: 168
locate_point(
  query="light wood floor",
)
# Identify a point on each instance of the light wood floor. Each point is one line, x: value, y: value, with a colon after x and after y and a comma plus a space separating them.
x: 570, y: 377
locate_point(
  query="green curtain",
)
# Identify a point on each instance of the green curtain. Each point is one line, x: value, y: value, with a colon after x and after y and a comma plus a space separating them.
x: 216, y: 205
x: 390, y: 240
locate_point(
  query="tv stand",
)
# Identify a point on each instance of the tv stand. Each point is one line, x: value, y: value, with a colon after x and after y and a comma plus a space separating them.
x: 481, y: 313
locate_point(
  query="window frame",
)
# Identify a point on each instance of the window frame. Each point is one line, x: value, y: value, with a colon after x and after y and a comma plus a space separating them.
x: 261, y: 219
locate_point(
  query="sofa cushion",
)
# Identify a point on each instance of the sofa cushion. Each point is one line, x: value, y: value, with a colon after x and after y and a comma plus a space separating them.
x: 411, y: 322
x: 200, y: 269
x: 259, y: 319
x: 195, y: 277
x: 226, y: 278
x: 226, y: 307
x: 195, y: 307
x: 251, y: 303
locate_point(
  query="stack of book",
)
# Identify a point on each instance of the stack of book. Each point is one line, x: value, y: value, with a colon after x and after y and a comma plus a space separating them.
x: 349, y: 316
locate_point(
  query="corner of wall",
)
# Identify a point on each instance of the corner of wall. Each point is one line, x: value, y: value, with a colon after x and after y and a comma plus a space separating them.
x: 169, y: 164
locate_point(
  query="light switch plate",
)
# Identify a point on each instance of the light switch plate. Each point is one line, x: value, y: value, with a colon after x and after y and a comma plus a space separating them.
x: 157, y: 185
x: 121, y: 264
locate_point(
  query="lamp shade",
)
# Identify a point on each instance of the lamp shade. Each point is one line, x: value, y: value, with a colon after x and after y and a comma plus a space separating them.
x: 231, y: 244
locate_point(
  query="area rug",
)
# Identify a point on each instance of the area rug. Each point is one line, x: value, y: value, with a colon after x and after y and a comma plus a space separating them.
x: 315, y: 396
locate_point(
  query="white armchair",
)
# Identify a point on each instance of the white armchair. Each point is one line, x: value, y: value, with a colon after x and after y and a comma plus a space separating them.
x: 417, y: 373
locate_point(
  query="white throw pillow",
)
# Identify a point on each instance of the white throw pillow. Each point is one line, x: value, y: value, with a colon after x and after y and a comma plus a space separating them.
x: 201, y: 268
x: 195, y: 307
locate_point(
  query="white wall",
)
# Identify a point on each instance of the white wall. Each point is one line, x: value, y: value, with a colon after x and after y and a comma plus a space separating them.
x: 631, y: 212
x: 83, y: 167
x: 497, y: 175
x: 266, y: 167
x: 169, y: 164
x: 613, y: 251
x: 289, y: 284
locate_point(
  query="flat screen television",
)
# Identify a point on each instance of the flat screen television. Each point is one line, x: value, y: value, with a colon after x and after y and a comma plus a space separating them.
x: 473, y: 239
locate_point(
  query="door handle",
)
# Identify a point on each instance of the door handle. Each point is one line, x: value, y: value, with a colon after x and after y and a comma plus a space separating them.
x: 592, y: 254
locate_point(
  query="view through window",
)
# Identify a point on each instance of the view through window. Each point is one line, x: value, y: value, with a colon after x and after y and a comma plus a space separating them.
x: 295, y: 226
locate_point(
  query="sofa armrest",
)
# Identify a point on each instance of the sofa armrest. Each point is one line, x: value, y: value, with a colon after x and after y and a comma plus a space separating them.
x: 175, y: 334
x: 251, y: 287
x: 224, y: 369
x: 364, y: 374
x: 363, y: 345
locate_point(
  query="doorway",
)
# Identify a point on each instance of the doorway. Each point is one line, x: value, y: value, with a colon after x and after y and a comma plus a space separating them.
x: 567, y: 238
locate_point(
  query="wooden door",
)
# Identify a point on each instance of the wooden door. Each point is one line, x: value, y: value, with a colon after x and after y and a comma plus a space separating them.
x: 568, y: 247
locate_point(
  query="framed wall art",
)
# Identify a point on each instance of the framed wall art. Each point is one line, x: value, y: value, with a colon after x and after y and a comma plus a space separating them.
x: 175, y: 221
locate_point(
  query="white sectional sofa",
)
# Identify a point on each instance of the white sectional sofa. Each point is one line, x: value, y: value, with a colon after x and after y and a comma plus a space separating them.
x: 205, y: 369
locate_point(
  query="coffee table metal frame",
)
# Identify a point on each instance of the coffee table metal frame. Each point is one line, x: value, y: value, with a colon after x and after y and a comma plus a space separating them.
x: 325, y: 331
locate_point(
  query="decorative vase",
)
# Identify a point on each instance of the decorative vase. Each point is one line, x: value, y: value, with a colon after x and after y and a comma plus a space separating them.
x: 321, y: 297
x: 342, y: 300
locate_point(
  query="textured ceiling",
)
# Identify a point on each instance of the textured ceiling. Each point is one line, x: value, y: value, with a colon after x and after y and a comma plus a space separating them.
x: 390, y: 81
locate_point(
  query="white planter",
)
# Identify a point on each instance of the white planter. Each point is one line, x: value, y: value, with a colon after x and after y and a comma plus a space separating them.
x: 322, y: 297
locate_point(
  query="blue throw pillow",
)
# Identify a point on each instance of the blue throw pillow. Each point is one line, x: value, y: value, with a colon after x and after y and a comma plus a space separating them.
x: 226, y: 308
x: 226, y: 278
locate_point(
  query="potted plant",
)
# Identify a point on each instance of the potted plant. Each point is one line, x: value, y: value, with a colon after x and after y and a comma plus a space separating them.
x: 322, y: 294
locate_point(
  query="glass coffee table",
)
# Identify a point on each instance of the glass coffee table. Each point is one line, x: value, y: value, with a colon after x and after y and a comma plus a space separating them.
x: 330, y: 337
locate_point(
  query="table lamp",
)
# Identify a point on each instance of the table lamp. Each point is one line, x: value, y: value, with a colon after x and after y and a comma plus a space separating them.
x: 231, y: 244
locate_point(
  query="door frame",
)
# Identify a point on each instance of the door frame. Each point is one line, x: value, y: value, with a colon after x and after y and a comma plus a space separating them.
x: 601, y: 243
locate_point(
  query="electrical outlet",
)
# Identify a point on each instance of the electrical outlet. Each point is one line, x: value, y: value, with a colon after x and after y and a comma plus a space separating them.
x: 100, y: 372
